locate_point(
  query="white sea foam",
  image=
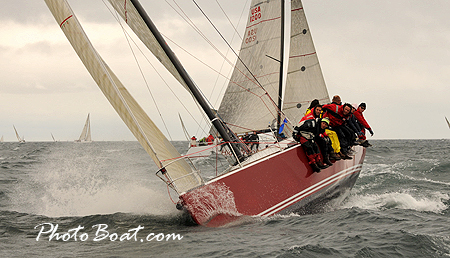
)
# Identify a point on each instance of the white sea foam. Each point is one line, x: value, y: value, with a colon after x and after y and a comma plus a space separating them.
x: 87, y: 185
x: 433, y: 202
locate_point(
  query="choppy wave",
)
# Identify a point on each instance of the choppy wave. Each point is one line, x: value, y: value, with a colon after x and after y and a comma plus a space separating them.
x: 435, y: 202
x: 399, y: 207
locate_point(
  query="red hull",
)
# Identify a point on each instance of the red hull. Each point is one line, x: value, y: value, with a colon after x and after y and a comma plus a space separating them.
x: 278, y: 184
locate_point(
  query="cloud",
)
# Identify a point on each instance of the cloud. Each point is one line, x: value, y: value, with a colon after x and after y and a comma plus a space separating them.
x: 391, y: 54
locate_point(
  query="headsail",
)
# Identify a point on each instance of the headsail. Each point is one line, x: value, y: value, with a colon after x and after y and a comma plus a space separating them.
x: 131, y: 16
x: 149, y: 136
x: 247, y: 105
x: 20, y: 139
x: 186, y: 134
x: 158, y: 42
x: 86, y: 133
x: 304, y: 79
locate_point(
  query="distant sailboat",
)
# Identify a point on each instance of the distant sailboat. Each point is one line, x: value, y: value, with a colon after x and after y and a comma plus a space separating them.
x: 86, y: 133
x: 197, y: 149
x: 17, y: 135
x: 1, y: 140
x: 53, y: 137
x: 448, y: 123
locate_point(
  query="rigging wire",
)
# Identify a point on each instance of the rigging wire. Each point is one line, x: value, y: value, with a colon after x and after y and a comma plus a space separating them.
x: 256, y: 81
x: 230, y: 47
x: 128, y: 36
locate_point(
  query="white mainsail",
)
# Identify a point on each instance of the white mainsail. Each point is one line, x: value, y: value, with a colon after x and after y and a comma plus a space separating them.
x: 149, y: 136
x: 247, y: 105
x: 304, y: 79
x: 86, y: 133
x: 20, y: 139
x: 241, y: 104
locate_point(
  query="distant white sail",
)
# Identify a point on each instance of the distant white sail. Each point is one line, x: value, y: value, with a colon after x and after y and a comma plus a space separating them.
x: 20, y: 139
x: 149, y: 136
x: 448, y: 123
x: 304, y: 79
x: 247, y: 105
x: 86, y: 133
x: 1, y: 140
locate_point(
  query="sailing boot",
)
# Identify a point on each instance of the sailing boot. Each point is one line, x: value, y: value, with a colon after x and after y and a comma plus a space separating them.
x: 315, y: 167
x: 326, y: 160
x: 335, y: 156
x: 321, y: 165
x: 344, y: 155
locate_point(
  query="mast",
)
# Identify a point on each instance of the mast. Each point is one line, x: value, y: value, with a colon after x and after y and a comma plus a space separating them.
x: 190, y: 84
x: 280, y: 86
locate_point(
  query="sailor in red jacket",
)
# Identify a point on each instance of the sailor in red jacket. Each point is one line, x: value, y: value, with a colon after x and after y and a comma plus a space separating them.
x: 337, y: 115
x: 360, y: 118
x: 313, y: 114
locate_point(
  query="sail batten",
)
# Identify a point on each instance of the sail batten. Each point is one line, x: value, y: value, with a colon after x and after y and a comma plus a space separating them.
x: 250, y: 105
x: 146, y: 132
x: 304, y: 81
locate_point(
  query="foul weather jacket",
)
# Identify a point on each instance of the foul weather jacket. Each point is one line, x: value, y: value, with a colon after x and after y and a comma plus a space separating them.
x: 310, y: 115
x: 359, y: 116
x: 335, y: 113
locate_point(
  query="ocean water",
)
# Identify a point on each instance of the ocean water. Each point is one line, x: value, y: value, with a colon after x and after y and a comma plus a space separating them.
x: 102, y: 199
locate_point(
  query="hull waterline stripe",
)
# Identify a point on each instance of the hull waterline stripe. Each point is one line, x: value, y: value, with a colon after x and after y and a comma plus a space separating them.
x: 310, y: 190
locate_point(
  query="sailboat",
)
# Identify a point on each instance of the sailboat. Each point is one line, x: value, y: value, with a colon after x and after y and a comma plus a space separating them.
x: 20, y: 139
x: 275, y: 180
x: 86, y: 133
x: 1, y: 139
x: 448, y: 123
x: 198, y: 149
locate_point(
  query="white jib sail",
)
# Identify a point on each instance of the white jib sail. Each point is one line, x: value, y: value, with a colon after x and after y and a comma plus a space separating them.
x: 246, y: 105
x: 17, y: 135
x: 304, y: 79
x: 86, y: 133
x: 142, y: 127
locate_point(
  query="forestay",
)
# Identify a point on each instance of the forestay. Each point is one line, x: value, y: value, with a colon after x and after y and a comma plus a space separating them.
x: 131, y: 16
x: 304, y: 79
x: 247, y: 105
x: 142, y: 127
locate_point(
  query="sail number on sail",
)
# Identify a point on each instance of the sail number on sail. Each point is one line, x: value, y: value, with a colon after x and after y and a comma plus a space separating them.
x: 256, y: 14
x: 251, y: 35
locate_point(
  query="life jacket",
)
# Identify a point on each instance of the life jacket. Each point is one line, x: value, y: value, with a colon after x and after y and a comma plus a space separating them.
x: 210, y: 138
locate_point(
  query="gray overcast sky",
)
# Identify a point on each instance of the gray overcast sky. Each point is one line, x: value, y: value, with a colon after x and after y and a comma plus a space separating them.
x: 393, y: 55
